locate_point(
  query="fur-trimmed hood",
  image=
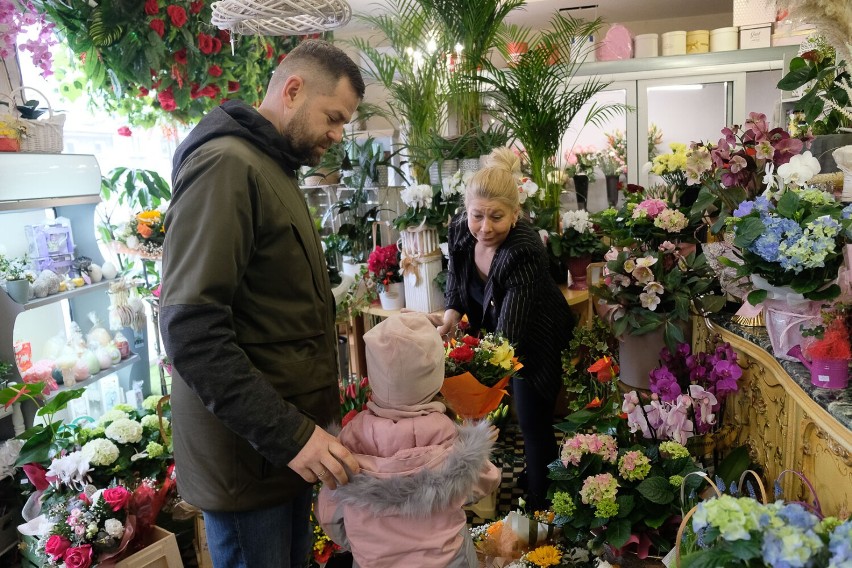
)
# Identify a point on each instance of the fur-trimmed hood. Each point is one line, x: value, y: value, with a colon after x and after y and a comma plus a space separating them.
x: 432, y: 465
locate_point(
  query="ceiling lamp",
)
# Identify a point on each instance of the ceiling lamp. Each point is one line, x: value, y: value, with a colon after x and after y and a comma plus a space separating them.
x: 280, y: 17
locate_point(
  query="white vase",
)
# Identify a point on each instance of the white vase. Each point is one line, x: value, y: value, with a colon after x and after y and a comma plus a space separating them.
x: 393, y: 296
x: 352, y: 268
x: 469, y: 165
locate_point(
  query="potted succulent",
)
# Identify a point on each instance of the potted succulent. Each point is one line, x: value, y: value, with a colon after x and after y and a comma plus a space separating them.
x: 17, y: 275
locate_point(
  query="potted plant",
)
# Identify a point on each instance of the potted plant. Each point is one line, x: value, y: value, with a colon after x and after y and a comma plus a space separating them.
x: 578, y: 245
x: 580, y: 166
x: 18, y: 277
x: 383, y: 265
x: 356, y: 215
x: 610, y: 164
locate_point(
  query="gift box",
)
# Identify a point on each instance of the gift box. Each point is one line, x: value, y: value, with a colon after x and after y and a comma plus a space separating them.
x: 49, y: 239
x: 57, y: 263
x: 752, y: 37
x: 751, y: 12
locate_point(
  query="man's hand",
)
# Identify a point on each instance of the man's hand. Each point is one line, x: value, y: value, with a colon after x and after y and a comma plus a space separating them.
x: 324, y: 459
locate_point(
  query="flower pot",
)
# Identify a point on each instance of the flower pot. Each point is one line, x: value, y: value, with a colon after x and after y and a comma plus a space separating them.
x: 515, y: 51
x: 638, y: 355
x: 612, y: 189
x: 577, y: 267
x: 822, y: 147
x: 443, y: 170
x: 469, y: 165
x: 383, y: 176
x: 830, y: 373
x: 352, y: 268
x: 393, y: 296
x: 581, y: 186
x: 19, y: 290
x: 784, y: 320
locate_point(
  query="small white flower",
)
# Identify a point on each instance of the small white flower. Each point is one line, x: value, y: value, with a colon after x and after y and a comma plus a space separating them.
x: 646, y: 261
x: 649, y: 301
x: 577, y: 220
x: 654, y: 288
x: 114, y: 528
x: 124, y: 431
x: 417, y: 196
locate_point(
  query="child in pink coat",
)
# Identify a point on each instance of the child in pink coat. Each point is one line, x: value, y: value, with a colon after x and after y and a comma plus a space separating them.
x: 418, y: 467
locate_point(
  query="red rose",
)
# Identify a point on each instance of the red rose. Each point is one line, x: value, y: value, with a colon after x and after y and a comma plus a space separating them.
x: 463, y: 325
x: 143, y: 92
x: 36, y: 473
x: 269, y: 52
x: 205, y: 44
x: 224, y: 36
x: 217, y: 45
x: 196, y: 6
x: 56, y: 546
x: 208, y: 91
x: 158, y: 26
x: 233, y: 86
x: 125, y: 131
x: 282, y: 57
x: 116, y: 497
x: 78, y: 557
x: 151, y: 7
x: 462, y: 354
x: 177, y: 14
x: 167, y: 99
x: 214, y: 71
x: 180, y: 56
x: 470, y: 340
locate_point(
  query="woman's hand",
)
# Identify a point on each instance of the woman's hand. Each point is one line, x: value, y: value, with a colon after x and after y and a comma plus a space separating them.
x: 449, y: 322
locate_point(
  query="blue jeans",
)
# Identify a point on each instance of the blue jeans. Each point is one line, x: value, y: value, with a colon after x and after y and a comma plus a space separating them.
x: 278, y: 537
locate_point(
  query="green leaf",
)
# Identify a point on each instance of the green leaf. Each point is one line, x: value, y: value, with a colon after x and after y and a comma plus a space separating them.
x: 733, y: 465
x: 746, y: 549
x: 748, y: 230
x: 796, y: 77
x: 710, y: 558
x: 625, y: 505
x: 618, y: 532
x: 755, y: 297
x: 37, y: 447
x: 788, y: 204
x: 656, y: 490
x: 60, y: 401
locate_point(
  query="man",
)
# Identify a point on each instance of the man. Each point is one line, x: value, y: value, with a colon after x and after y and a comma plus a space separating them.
x: 246, y: 314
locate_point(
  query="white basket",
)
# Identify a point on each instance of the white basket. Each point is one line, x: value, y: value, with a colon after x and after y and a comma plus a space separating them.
x: 43, y: 136
x: 418, y: 241
x: 421, y: 292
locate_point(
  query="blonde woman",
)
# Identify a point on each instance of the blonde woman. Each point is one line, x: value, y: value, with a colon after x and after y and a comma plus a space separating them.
x: 498, y: 276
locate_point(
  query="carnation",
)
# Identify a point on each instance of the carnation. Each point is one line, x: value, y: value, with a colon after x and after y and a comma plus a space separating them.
x: 124, y: 431
x: 100, y: 452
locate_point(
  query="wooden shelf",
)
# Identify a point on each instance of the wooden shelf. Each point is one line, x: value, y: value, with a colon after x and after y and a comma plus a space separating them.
x: 95, y: 378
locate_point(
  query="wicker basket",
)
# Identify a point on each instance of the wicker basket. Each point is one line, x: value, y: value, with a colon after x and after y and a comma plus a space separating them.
x: 43, y: 136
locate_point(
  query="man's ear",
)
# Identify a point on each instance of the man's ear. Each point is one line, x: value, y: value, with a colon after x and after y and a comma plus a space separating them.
x: 293, y: 88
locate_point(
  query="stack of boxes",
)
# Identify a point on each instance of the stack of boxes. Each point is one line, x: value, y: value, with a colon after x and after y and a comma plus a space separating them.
x: 51, y: 246
x: 754, y: 19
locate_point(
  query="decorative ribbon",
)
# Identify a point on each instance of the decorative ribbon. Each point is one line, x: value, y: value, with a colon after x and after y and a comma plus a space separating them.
x: 410, y: 264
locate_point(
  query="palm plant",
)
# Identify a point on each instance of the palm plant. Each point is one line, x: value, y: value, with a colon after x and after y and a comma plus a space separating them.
x: 413, y: 73
x: 538, y: 97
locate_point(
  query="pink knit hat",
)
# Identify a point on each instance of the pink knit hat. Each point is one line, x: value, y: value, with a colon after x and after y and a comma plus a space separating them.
x: 405, y: 360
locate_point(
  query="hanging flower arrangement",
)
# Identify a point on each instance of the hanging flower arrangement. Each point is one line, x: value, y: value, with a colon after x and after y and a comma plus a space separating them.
x: 161, y: 59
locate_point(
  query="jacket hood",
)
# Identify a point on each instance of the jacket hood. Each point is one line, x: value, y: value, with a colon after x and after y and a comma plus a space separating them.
x: 416, y: 482
x: 235, y: 118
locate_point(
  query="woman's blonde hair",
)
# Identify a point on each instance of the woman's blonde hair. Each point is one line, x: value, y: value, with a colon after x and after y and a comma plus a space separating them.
x: 498, y: 180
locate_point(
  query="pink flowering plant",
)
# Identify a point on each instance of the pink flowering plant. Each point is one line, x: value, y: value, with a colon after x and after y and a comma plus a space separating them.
x: 688, y: 393
x: 733, y: 169
x: 626, y: 496
x: 652, y: 288
x: 383, y: 264
x: 581, y: 161
x: 17, y: 18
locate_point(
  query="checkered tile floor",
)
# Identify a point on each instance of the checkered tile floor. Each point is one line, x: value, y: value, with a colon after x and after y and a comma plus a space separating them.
x: 509, y: 456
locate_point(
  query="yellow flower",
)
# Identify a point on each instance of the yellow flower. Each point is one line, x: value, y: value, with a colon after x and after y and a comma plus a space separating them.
x: 545, y: 556
x: 149, y: 217
x: 502, y: 356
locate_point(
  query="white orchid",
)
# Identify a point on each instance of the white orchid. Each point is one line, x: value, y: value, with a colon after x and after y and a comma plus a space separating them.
x: 800, y: 169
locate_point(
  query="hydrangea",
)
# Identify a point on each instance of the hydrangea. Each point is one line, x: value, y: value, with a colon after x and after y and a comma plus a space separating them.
x: 124, y: 408
x: 150, y: 403
x: 676, y: 480
x: 154, y: 450
x: 597, y: 488
x: 124, y: 431
x: 111, y: 416
x: 100, y: 452
x: 840, y: 545
x: 563, y: 505
x: 671, y: 220
x: 634, y: 466
x: 734, y: 518
x: 673, y: 450
x: 789, y: 546
x: 152, y: 422
x: 601, y: 444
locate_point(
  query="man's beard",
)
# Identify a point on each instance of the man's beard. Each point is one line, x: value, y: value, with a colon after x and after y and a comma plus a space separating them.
x: 302, y: 147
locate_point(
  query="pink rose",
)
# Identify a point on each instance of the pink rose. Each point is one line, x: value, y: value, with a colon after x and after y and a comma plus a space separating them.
x: 116, y: 497
x: 56, y: 546
x: 124, y: 131
x: 78, y: 557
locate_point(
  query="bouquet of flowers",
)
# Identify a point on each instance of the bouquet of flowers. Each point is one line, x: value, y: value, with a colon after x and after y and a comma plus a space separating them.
x: 650, y: 217
x: 688, y: 392
x: 609, y: 162
x: 620, y: 495
x: 728, y: 532
x: 476, y: 373
x: 618, y: 142
x: 354, y: 395
x: 588, y: 369
x: 732, y: 170
x: 383, y: 264
x: 653, y: 288
x: 578, y: 237
x: 671, y: 167
x: 142, y: 235
x: 793, y: 237
x: 581, y: 161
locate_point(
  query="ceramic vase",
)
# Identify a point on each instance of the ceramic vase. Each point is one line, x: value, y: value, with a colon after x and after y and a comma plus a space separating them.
x: 638, y: 355
x: 19, y: 290
x: 612, y: 189
x: 577, y: 267
x: 393, y: 296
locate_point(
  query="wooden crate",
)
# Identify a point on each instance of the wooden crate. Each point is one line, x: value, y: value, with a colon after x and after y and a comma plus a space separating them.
x: 161, y: 553
x: 202, y: 552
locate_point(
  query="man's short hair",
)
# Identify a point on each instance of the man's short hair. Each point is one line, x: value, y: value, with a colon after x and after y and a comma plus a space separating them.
x: 318, y: 60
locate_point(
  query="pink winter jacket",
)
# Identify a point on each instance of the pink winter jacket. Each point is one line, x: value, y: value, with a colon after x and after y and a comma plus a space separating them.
x: 405, y: 507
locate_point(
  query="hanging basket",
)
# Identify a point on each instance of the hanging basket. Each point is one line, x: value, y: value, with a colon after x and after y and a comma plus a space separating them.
x: 43, y: 136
